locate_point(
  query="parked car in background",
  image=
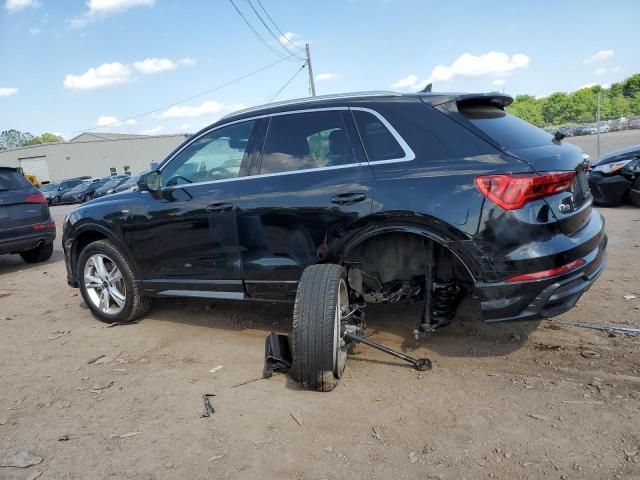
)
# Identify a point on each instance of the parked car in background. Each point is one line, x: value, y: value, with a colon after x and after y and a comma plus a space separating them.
x: 83, y: 192
x: 603, y: 128
x: 109, y: 187
x: 618, y: 125
x: 634, y: 123
x: 53, y: 197
x: 568, y: 131
x: 616, y: 176
x: 26, y: 226
x: 48, y: 187
x: 344, y: 200
x: 130, y: 184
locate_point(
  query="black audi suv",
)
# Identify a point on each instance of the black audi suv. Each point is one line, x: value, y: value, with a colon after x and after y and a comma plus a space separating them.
x: 338, y: 201
x: 26, y: 226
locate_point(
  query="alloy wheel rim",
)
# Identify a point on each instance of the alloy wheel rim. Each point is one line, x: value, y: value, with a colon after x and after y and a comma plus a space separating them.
x: 104, y: 284
x: 339, y: 345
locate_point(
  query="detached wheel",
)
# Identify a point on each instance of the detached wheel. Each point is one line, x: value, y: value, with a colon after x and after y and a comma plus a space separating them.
x: 39, y: 254
x: 634, y: 192
x: 108, y: 285
x: 319, y: 352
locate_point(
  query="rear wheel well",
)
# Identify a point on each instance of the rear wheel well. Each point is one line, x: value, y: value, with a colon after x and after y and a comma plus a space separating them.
x: 397, y: 267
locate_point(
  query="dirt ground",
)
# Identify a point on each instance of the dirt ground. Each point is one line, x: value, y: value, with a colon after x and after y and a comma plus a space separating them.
x: 517, y: 401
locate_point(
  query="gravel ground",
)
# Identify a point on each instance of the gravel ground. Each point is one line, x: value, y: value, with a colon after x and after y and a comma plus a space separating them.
x: 520, y: 401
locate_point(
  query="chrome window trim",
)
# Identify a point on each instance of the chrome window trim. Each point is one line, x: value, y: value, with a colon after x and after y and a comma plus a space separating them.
x: 409, y: 154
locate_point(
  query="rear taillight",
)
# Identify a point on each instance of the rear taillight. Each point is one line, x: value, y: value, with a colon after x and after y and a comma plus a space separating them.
x: 513, y: 191
x: 552, y: 272
x: 44, y: 226
x: 35, y: 198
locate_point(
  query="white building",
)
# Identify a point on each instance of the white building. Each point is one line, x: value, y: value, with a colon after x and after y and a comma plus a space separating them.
x: 92, y: 154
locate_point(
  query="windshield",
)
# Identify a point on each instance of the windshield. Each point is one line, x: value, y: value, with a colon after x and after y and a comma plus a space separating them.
x: 80, y: 187
x: 508, y: 131
x: 49, y: 187
x: 111, y: 184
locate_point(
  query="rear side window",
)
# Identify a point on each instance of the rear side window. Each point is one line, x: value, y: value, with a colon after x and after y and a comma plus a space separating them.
x: 379, y: 142
x: 301, y: 141
x: 12, y: 180
x: 505, y: 129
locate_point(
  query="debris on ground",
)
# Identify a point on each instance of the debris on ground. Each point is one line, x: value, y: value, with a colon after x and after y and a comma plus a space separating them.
x: 538, y: 416
x: 58, y: 334
x: 216, y: 369
x: 95, y: 359
x: 208, y: 407
x: 64, y: 437
x: 590, y: 354
x: 629, y: 297
x: 216, y: 457
x: 98, y: 389
x: 413, y: 457
x: 297, y: 417
x: 4, y: 294
x: 20, y: 460
x: 115, y: 324
x: 618, y: 329
x: 277, y: 354
x: 126, y: 435
x: 328, y: 449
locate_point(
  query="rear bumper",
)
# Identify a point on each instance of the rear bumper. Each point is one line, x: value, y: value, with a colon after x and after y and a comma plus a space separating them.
x: 534, y: 300
x: 24, y: 239
x: 608, y: 190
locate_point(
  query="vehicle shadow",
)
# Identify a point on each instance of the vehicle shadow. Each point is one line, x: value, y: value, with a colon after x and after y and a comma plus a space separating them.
x: 392, y: 325
x: 14, y: 263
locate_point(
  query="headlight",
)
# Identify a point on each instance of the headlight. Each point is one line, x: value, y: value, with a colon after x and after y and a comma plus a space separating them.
x: 611, y: 167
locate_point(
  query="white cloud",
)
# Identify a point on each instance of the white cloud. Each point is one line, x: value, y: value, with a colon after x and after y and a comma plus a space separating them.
x: 599, y: 56
x: 7, y: 92
x: 101, y: 8
x: 291, y: 38
x: 206, y: 108
x: 498, y: 82
x: 110, y: 121
x: 603, y: 70
x: 408, y: 83
x: 106, y: 75
x: 321, y: 77
x: 467, y: 65
x: 15, y: 5
x: 152, y: 131
x: 150, y: 66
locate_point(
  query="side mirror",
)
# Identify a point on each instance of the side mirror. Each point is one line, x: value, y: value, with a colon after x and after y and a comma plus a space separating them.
x: 151, y: 182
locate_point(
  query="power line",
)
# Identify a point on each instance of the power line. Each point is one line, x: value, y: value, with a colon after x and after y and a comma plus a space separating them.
x: 273, y: 35
x: 193, y: 97
x: 272, y: 98
x: 278, y: 28
x: 255, y: 32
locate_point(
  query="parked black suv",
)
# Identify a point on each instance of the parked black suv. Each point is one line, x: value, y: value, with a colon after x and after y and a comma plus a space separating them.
x: 53, y: 197
x: 344, y: 200
x: 26, y: 226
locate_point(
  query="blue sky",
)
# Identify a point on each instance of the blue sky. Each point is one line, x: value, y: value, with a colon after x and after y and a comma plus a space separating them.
x: 70, y: 66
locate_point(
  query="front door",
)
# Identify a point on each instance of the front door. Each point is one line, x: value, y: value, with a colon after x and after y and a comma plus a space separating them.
x: 307, y: 189
x: 184, y: 238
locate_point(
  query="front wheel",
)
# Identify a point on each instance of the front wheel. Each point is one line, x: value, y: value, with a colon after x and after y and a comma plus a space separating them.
x: 108, y: 285
x: 634, y: 192
x: 319, y: 350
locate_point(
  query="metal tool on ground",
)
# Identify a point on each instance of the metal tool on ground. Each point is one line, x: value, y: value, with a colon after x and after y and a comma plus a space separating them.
x: 208, y: 406
x: 421, y: 364
x: 277, y: 354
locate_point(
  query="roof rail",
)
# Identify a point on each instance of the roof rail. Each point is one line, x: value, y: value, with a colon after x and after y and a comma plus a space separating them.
x: 337, y: 96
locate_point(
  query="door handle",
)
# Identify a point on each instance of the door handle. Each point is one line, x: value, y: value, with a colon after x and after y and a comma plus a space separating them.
x: 347, y: 198
x: 219, y: 207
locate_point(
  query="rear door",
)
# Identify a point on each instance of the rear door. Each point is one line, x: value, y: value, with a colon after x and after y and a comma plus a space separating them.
x: 309, y: 186
x: 20, y: 203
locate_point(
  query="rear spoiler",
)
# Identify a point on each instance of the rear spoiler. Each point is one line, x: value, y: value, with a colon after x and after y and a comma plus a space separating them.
x: 496, y: 99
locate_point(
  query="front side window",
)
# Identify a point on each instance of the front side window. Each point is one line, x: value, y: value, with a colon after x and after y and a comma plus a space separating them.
x: 379, y: 142
x: 301, y: 141
x: 217, y: 155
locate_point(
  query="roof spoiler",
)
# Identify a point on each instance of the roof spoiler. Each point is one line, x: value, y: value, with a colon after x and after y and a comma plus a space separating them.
x: 496, y: 99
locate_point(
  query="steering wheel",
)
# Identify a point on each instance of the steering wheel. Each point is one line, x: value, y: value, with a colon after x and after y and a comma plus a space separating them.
x: 224, y: 171
x: 173, y: 181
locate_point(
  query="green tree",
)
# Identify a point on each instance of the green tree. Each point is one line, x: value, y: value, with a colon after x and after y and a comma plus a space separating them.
x: 631, y: 86
x: 13, y: 138
x: 44, y: 138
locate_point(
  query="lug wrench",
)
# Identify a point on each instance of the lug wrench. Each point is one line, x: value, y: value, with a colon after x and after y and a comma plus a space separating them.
x: 420, y: 364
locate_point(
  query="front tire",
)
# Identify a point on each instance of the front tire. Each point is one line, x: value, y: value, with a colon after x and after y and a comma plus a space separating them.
x: 319, y: 351
x: 38, y: 254
x: 634, y: 192
x: 108, y: 284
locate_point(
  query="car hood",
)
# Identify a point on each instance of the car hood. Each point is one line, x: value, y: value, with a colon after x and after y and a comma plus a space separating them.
x: 620, y: 154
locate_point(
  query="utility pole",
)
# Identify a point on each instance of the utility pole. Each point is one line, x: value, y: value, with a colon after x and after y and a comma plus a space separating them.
x: 312, y: 84
x: 598, y: 127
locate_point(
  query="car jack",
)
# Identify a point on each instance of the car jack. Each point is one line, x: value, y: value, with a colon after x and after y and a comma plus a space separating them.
x: 420, y: 364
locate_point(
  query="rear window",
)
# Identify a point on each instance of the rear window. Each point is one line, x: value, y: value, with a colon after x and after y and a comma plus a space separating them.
x: 508, y: 131
x: 12, y: 180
